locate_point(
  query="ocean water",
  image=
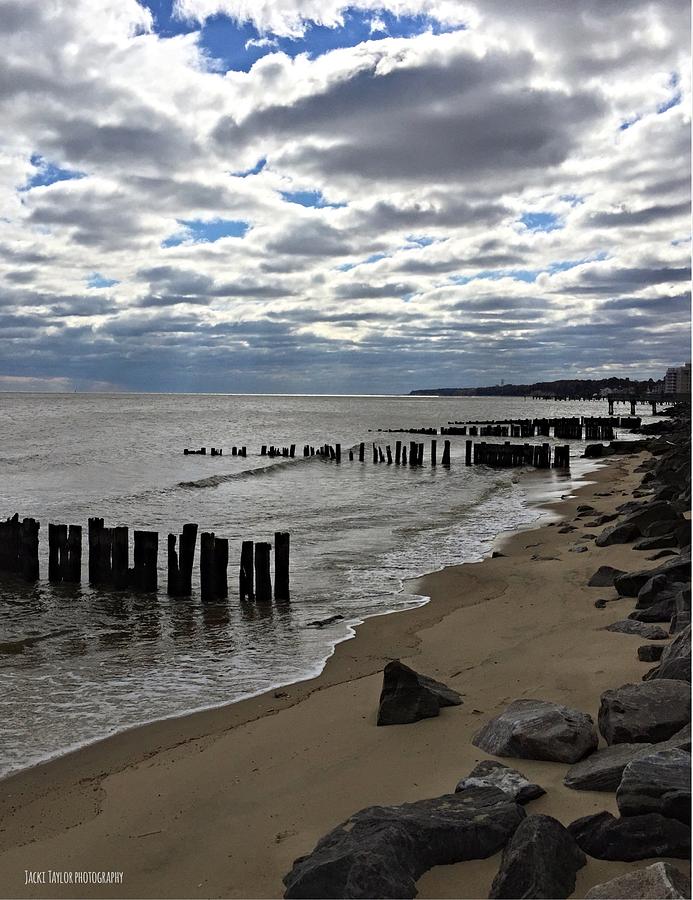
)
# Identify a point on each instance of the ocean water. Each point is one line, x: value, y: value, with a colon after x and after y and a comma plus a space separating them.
x: 107, y: 661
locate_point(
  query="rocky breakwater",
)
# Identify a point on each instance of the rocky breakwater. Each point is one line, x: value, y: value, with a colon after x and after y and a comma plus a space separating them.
x: 643, y: 728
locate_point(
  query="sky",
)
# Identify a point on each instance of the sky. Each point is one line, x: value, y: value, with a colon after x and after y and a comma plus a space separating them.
x: 302, y: 196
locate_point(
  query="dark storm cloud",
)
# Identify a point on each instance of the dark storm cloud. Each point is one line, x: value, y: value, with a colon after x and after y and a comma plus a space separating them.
x: 629, y: 218
x: 463, y: 120
x: 617, y: 281
x: 366, y: 291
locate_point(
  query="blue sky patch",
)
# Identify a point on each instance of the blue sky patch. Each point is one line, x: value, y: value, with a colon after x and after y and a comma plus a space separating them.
x: 311, y: 199
x: 541, y: 221
x: 528, y: 275
x: 237, y: 46
x: 98, y: 281
x: 255, y: 170
x: 344, y: 267
x: 420, y: 240
x: 201, y: 231
x: 48, y: 173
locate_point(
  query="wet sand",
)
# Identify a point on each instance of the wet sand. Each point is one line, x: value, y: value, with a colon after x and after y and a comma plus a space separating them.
x: 219, y: 803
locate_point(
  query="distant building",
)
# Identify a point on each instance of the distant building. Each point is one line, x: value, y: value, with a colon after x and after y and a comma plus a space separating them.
x: 678, y: 380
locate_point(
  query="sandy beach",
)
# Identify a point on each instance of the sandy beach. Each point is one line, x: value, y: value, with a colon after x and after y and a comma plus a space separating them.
x: 220, y: 803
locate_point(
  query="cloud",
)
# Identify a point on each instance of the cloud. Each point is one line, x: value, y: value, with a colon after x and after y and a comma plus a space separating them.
x: 382, y: 183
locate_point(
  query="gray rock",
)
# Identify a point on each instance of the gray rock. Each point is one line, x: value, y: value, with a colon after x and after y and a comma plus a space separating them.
x: 408, y: 696
x: 634, y: 837
x: 657, y: 529
x: 644, y: 713
x: 680, y: 741
x: 602, y: 770
x: 641, y: 629
x: 601, y: 603
x: 662, y: 611
x: 579, y: 549
x: 657, y: 782
x: 676, y: 569
x: 539, y: 729
x: 381, y: 851
x: 655, y: 511
x: 539, y: 861
x: 617, y: 534
x: 650, y: 652
x: 662, y: 554
x: 677, y: 669
x: 651, y: 591
x: 604, y: 576
x: 656, y: 543
x: 490, y: 773
x: 660, y: 881
x: 681, y: 618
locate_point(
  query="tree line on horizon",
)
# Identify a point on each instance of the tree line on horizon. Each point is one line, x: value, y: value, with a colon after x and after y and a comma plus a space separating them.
x: 570, y: 387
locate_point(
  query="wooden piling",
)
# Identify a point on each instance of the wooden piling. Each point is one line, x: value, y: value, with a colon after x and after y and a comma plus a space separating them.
x: 398, y: 452
x: 446, y: 454
x: 434, y: 460
x: 144, y: 573
x: 281, y: 565
x: 207, y: 568
x: 95, y: 527
x: 388, y: 450
x: 263, y: 580
x: 404, y: 456
x: 468, y: 453
x: 119, y: 557
x: 221, y: 565
x: 245, y: 576
x: 28, y: 548
x: 361, y: 451
x: 338, y: 452
x: 57, y: 541
x: 172, y: 569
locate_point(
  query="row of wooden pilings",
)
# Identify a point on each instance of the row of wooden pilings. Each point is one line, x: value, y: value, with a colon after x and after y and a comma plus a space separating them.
x: 414, y: 456
x: 108, y: 561
x: 215, y: 451
x: 509, y: 455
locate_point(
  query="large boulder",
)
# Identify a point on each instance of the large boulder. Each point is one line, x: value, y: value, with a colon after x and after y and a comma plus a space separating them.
x: 604, y: 836
x: 617, y: 534
x: 644, y: 713
x: 654, y: 512
x: 657, y: 782
x: 491, y: 773
x: 656, y: 543
x: 650, y: 652
x: 602, y: 770
x: 604, y: 576
x: 676, y: 568
x: 662, y: 611
x: 642, y: 629
x: 540, y: 860
x: 675, y: 662
x: 660, y: 881
x: 651, y: 591
x: 408, y: 696
x: 539, y: 729
x: 682, y: 612
x: 381, y: 851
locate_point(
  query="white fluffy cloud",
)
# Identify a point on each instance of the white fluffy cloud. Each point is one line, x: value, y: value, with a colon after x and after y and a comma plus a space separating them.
x: 444, y: 202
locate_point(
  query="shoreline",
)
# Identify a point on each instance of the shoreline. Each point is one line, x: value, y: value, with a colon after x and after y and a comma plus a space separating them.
x: 49, y: 813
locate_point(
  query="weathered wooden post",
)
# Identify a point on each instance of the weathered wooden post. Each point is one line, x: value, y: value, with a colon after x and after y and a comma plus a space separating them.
x: 446, y: 454
x: 281, y: 565
x: 263, y: 450
x: 29, y: 546
x: 186, y: 558
x: 245, y: 575
x: 398, y: 452
x: 95, y: 528
x: 404, y: 455
x: 421, y: 454
x: 120, y: 554
x: 207, y: 568
x: 632, y: 406
x: 292, y: 451
x: 338, y: 452
x: 653, y: 404
x: 434, y: 461
x: 144, y: 574
x: 361, y: 451
x: 72, y: 566
x: 173, y: 575
x: 388, y: 450
x: 221, y: 565
x: 611, y: 405
x: 468, y: 453
x: 351, y: 456
x: 263, y: 579
x: 57, y: 540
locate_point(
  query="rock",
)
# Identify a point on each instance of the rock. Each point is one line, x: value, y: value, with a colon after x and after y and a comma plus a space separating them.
x: 579, y: 549
x: 644, y: 713
x: 662, y: 611
x: 605, y: 518
x: 600, y: 604
x: 655, y: 511
x: 490, y: 773
x: 617, y: 534
x: 662, y: 554
x: 677, y: 669
x: 381, y: 851
x: 641, y: 629
x: 675, y: 569
x: 634, y: 837
x: 656, y: 543
x: 594, y: 451
x: 585, y: 508
x: 683, y: 534
x: 681, y: 618
x: 660, y: 881
x: 651, y: 591
x: 676, y: 659
x: 657, y: 529
x: 680, y: 741
x: 657, y: 782
x: 567, y: 529
x: 539, y: 729
x: 408, y: 697
x: 650, y: 652
x: 540, y: 860
x: 497, y: 555
x: 320, y: 623
x: 602, y: 770
x: 604, y: 576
